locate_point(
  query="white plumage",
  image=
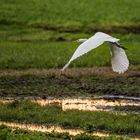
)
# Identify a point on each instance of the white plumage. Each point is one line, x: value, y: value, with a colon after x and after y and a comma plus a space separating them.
x: 120, y: 61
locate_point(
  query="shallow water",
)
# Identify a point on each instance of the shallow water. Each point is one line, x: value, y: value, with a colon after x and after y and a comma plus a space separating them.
x: 89, y: 104
x: 55, y: 128
x: 95, y: 104
x: 106, y: 103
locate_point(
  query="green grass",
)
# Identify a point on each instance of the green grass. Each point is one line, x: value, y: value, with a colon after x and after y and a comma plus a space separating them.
x: 25, y: 111
x: 36, y: 34
x: 9, y: 134
x: 67, y: 14
x: 35, y: 48
x: 40, y: 34
x: 68, y: 86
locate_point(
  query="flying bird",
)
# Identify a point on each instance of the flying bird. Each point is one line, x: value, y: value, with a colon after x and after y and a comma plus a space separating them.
x: 120, y: 62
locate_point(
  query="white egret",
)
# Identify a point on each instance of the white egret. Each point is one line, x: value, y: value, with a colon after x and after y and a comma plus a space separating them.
x: 120, y: 62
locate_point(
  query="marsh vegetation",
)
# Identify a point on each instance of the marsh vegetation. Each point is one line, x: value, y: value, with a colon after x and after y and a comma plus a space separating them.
x: 37, y: 37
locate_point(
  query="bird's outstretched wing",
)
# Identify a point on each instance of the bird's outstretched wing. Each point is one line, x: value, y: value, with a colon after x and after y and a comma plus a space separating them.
x: 92, y: 43
x: 120, y: 62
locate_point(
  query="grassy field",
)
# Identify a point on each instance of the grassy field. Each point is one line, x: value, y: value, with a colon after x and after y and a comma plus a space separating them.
x: 40, y: 35
x: 25, y: 111
x: 73, y: 15
x: 35, y: 48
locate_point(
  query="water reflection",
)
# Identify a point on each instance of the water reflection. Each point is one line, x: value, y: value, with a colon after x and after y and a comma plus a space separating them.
x: 89, y: 104
x: 94, y: 104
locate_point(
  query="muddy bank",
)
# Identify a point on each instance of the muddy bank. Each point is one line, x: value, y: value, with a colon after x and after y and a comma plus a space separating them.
x: 100, y: 71
x: 41, y: 128
x: 73, y: 83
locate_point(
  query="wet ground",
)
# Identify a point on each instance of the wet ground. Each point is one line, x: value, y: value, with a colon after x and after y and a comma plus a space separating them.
x: 86, y: 89
x: 116, y: 104
x: 70, y: 84
x: 58, y: 129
